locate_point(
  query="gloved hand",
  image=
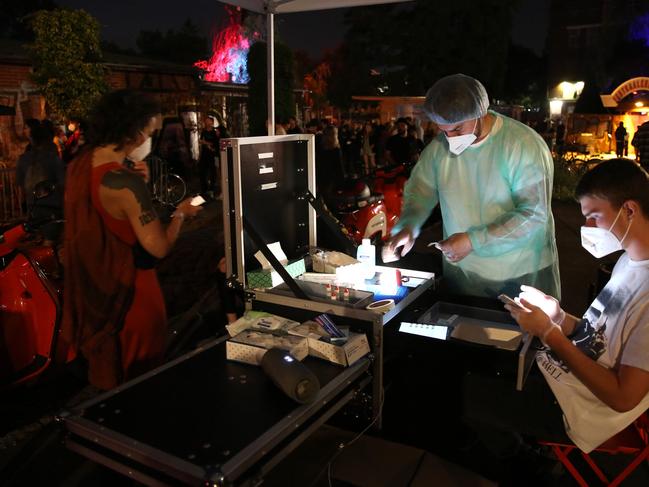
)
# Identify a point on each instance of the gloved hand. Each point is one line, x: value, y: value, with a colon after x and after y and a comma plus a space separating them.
x: 405, y: 239
x: 533, y: 320
x: 548, y: 304
x: 456, y: 247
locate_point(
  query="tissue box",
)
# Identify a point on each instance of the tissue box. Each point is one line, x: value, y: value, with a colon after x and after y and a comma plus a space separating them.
x: 327, y: 261
x: 353, y: 349
x: 250, y: 346
x: 262, y: 278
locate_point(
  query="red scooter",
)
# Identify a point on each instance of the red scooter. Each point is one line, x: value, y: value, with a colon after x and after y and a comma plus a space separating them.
x: 390, y: 182
x: 30, y: 303
x: 363, y: 214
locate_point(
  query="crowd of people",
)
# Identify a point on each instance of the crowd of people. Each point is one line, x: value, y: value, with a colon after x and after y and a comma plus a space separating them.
x: 364, y: 146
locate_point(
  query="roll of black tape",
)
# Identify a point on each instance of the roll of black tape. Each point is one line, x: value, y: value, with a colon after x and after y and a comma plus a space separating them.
x: 290, y: 375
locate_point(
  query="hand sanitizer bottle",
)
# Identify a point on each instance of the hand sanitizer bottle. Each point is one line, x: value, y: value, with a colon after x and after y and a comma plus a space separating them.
x: 366, y: 254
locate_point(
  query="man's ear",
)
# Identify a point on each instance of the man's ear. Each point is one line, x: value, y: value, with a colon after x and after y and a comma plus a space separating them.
x: 632, y: 208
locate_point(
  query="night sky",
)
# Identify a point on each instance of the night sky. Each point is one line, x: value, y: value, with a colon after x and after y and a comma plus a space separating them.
x: 311, y: 31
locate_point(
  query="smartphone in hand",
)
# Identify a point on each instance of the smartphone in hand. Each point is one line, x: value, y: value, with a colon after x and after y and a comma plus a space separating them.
x: 508, y: 300
x: 197, y: 200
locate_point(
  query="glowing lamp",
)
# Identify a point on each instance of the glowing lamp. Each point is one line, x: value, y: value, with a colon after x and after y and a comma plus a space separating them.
x: 570, y: 91
x: 555, y: 107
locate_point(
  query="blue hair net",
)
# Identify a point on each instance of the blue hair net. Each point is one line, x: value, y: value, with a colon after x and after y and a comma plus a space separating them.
x: 455, y: 99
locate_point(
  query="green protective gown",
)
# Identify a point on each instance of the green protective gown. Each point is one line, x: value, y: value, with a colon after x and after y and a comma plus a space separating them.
x: 499, y: 191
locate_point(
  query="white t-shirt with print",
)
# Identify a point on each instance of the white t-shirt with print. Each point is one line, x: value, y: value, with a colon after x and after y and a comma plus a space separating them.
x: 614, y: 331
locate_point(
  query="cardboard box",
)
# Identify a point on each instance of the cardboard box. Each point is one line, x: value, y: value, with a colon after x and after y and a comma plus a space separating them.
x: 263, y: 278
x: 250, y: 346
x: 261, y: 321
x: 347, y: 354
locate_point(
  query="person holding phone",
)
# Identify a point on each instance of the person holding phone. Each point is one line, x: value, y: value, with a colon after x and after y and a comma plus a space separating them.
x: 597, y: 365
x: 492, y: 177
x: 114, y: 312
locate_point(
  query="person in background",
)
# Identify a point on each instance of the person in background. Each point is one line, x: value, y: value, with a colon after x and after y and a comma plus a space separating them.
x: 292, y: 127
x: 416, y: 145
x: 29, y: 125
x: 367, y: 148
x: 641, y: 144
x: 315, y: 127
x: 398, y: 148
x: 42, y: 164
x: 113, y: 311
x: 172, y: 147
x: 209, y: 143
x: 595, y: 368
x: 492, y: 177
x: 621, y: 140
x: 59, y: 139
x: 329, y: 162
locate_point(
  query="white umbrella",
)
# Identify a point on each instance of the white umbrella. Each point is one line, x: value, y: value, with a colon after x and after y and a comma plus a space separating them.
x: 272, y: 7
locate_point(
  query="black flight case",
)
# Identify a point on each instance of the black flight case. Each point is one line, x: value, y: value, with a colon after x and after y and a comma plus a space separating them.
x: 204, y: 420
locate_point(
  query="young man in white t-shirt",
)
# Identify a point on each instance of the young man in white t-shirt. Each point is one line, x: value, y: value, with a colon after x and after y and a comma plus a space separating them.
x: 598, y: 366
x: 594, y: 379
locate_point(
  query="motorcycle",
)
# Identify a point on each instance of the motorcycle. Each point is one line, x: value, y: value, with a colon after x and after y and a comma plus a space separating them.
x: 30, y: 300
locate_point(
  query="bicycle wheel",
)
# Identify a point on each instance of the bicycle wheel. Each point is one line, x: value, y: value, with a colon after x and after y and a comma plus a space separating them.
x: 175, y: 189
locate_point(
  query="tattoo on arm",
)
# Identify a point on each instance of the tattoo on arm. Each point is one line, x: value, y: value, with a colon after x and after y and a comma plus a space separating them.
x: 121, y: 179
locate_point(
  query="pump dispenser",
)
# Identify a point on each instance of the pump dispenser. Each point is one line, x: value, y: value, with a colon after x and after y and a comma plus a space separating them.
x: 366, y: 254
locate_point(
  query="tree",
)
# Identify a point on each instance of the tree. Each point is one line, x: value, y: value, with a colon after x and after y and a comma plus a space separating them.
x: 404, y: 49
x: 526, y: 79
x: 185, y: 46
x: 316, y: 82
x: 66, y: 59
x: 257, y: 88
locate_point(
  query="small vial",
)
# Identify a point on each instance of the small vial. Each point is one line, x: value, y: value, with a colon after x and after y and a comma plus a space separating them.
x: 346, y: 294
x: 334, y: 295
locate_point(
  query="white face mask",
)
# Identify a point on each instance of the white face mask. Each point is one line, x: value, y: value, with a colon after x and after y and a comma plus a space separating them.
x: 601, y: 242
x: 459, y: 143
x: 141, y: 151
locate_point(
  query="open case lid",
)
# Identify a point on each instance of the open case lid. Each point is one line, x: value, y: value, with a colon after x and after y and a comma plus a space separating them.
x: 263, y: 180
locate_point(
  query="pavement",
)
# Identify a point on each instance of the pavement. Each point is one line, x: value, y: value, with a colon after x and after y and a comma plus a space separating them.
x: 29, y: 441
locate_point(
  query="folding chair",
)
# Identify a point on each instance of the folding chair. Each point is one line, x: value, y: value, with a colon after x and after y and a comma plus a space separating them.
x: 634, y: 440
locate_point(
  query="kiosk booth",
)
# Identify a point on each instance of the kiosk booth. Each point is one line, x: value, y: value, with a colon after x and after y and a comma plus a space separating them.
x: 205, y: 420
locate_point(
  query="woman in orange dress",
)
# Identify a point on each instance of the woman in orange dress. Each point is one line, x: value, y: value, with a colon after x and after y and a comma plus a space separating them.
x: 114, y: 312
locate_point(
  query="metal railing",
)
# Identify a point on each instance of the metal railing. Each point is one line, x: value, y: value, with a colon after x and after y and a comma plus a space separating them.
x: 11, y: 196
